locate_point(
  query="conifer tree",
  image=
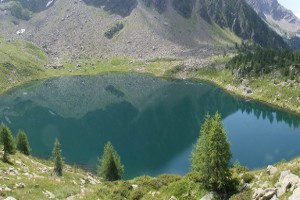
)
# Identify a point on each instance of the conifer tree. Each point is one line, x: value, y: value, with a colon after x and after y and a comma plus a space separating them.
x: 110, y: 167
x: 22, y: 143
x: 57, y: 158
x: 8, y: 142
x: 211, y: 156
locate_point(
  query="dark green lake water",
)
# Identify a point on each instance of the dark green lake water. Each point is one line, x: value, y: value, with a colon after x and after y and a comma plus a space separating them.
x: 152, y: 123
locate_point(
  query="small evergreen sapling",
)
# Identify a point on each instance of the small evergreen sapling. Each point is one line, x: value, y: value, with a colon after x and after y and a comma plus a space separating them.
x: 57, y: 158
x: 110, y: 167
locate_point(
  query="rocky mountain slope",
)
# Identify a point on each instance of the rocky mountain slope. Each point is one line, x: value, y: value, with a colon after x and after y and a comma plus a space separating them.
x: 142, y: 29
x: 280, y: 19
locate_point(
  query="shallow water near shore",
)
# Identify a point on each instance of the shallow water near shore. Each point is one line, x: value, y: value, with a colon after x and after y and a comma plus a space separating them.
x: 153, y: 123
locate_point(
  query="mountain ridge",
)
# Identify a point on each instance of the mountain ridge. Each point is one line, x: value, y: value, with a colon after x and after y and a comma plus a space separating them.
x: 280, y: 19
x: 75, y: 30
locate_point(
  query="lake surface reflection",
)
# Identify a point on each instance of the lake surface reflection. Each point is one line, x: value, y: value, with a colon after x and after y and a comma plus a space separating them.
x: 153, y: 123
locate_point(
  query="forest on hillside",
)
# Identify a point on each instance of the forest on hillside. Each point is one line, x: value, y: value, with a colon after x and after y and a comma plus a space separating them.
x: 256, y: 61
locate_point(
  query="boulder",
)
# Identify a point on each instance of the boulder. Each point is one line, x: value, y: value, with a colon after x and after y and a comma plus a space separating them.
x: 287, y: 181
x: 295, y: 195
x: 267, y: 194
x: 271, y: 170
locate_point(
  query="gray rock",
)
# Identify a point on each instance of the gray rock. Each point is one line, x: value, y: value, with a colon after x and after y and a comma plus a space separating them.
x: 269, y: 193
x: 271, y: 170
x: 295, y: 195
x: 280, y: 191
x: 287, y: 181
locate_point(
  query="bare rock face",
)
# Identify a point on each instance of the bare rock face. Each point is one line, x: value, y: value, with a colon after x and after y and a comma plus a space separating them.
x: 274, y: 9
x: 295, y: 195
x: 280, y: 19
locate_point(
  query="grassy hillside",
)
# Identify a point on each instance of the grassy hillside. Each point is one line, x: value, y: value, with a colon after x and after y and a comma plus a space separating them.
x: 20, y: 61
x: 30, y: 178
x: 27, y: 177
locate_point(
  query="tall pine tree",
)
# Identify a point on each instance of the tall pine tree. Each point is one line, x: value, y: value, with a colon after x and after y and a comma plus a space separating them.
x: 22, y: 143
x: 211, y: 156
x: 110, y: 167
x: 7, y: 140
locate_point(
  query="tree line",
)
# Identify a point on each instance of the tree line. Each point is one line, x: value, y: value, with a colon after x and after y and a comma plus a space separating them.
x: 255, y: 60
x: 210, y: 157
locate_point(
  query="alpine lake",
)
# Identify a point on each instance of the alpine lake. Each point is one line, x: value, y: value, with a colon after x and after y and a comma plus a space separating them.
x: 153, y: 123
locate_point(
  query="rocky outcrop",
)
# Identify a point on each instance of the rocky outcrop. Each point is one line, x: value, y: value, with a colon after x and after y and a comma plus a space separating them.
x: 287, y: 182
x: 267, y: 194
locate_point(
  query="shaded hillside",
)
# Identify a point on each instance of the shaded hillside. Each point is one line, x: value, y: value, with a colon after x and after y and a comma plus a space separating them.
x: 119, y: 7
x: 241, y: 19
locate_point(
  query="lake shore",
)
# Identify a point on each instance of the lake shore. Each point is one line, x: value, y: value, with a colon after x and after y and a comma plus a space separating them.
x: 263, y: 90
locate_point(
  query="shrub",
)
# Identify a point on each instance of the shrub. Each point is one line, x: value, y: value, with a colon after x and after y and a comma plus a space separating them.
x: 166, y: 179
x: 248, y: 177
